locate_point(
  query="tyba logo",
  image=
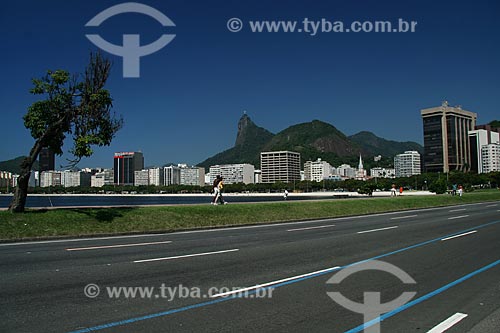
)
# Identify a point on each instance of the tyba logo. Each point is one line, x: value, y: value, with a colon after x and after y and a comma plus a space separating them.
x: 131, y: 51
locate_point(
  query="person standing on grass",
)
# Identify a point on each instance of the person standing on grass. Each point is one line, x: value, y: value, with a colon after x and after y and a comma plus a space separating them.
x: 460, y: 190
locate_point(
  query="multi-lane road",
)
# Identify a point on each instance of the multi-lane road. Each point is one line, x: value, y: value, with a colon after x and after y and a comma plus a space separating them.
x: 447, y: 258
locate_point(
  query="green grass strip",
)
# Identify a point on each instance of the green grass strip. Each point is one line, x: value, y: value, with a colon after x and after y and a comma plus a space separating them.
x: 84, y: 222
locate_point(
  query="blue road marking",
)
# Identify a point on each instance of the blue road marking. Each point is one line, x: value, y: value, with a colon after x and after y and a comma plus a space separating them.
x: 421, y: 299
x: 357, y: 329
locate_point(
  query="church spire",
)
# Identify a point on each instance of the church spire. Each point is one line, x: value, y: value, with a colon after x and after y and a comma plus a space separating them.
x: 360, y: 166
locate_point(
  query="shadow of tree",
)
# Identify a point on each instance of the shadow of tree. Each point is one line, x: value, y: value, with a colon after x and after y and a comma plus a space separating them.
x: 104, y: 214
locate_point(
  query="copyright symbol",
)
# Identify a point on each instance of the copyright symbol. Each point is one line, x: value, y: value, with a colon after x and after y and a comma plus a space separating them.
x: 91, y: 290
x: 234, y: 24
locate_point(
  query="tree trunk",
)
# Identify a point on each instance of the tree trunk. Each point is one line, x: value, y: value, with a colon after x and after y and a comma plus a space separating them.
x: 21, y: 193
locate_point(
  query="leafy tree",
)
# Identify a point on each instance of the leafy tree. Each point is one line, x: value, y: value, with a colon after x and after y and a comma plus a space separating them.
x: 74, y: 105
x: 439, y: 186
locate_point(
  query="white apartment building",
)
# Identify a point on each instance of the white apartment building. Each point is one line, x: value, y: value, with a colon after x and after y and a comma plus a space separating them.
x: 233, y: 173
x: 75, y: 178
x: 104, y: 177
x: 346, y: 171
x: 280, y: 166
x: 490, y: 157
x: 317, y: 170
x: 191, y: 175
x: 477, y: 140
x: 155, y: 176
x: 50, y: 178
x: 407, y: 164
x: 382, y: 172
x: 141, y: 178
x: 5, y: 180
x: 257, y: 176
x: 171, y: 175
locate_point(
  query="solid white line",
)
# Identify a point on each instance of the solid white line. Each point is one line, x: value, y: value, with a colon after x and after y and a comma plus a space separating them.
x: 448, y: 323
x: 81, y: 239
x: 457, y: 210
x: 457, y: 217
x: 403, y: 217
x: 374, y: 230
x: 263, y: 285
x: 309, y: 228
x: 465, y: 234
x: 492, y: 205
x: 187, y: 256
x: 113, y: 246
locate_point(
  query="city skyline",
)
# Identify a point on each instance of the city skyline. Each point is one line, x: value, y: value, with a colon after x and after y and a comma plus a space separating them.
x: 207, y: 76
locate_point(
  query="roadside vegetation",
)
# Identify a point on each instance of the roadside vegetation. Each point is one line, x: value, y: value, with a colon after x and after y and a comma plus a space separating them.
x: 84, y: 222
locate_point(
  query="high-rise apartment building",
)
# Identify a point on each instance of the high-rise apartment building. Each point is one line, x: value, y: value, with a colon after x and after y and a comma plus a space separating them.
x: 477, y: 140
x: 124, y: 166
x: 172, y: 175
x: 50, y: 178
x: 46, y: 160
x: 191, y: 175
x: 490, y: 155
x: 407, y: 164
x: 346, y: 171
x: 280, y: 166
x: 233, y: 173
x: 317, y: 170
x: 446, y: 143
x: 156, y: 176
x: 75, y: 178
x: 101, y: 178
x: 141, y: 178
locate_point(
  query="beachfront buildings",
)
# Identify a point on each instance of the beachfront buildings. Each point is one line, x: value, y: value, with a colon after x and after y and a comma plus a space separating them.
x: 171, y: 175
x: 101, y: 178
x: 490, y: 157
x: 280, y: 166
x: 192, y: 175
x: 233, y: 173
x: 478, y: 139
x: 124, y: 165
x: 446, y: 142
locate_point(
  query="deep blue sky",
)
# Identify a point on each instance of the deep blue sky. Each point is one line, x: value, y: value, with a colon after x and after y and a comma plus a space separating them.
x: 187, y: 102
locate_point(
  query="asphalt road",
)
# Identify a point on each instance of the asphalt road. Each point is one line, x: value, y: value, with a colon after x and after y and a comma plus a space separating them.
x: 446, y: 259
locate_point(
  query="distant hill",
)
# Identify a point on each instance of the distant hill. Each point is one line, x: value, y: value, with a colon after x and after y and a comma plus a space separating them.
x: 315, y: 139
x: 495, y: 124
x: 374, y: 145
x: 250, y: 141
x: 14, y: 165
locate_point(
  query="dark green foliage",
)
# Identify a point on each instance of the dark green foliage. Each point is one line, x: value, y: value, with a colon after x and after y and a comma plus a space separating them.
x: 72, y: 105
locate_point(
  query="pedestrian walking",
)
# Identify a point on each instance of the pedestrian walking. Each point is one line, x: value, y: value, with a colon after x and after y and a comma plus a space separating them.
x: 215, y: 189
x: 285, y: 194
x: 393, y: 190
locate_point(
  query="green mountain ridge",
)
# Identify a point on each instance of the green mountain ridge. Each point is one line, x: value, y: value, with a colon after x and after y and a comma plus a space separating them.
x: 375, y: 145
x: 313, y: 140
x: 14, y: 165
